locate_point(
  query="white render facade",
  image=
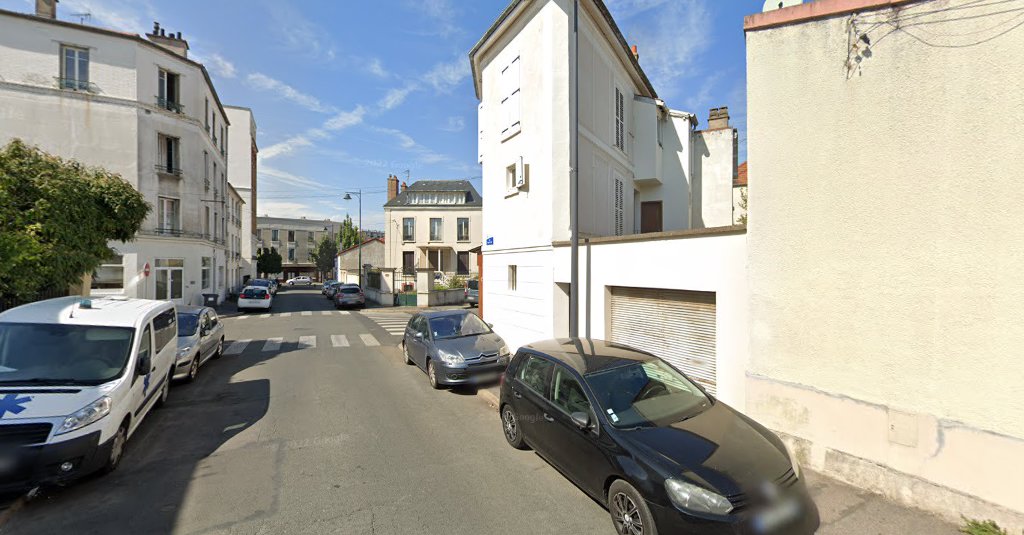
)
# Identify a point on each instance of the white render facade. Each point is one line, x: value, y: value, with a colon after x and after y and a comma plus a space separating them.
x: 242, y: 177
x: 128, y: 105
x: 636, y: 156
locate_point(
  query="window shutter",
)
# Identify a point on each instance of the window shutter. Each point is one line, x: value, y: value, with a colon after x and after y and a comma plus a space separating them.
x: 619, y: 204
x: 514, y: 91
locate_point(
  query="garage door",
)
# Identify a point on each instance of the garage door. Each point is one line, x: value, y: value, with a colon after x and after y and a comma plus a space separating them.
x: 676, y: 325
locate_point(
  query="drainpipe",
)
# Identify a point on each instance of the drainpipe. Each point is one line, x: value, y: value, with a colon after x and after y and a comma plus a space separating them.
x: 574, y: 188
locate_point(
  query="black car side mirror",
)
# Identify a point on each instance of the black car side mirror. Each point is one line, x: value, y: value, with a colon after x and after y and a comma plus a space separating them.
x: 581, y: 419
x: 142, y: 367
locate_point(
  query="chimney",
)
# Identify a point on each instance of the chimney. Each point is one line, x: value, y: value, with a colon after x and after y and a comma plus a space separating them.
x: 636, y: 53
x: 404, y: 187
x: 718, y: 118
x: 392, y: 187
x: 46, y: 9
x: 172, y: 42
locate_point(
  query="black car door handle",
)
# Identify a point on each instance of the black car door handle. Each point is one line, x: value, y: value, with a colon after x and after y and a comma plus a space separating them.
x: 548, y: 418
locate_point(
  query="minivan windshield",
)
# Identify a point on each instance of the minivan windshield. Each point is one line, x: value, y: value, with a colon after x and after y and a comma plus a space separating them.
x: 456, y: 326
x: 187, y: 324
x: 649, y: 394
x: 46, y: 353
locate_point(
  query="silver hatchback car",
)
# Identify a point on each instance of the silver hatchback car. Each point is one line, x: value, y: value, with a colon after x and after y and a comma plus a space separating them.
x: 200, y: 338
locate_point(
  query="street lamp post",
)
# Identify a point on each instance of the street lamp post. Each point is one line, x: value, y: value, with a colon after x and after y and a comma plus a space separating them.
x: 348, y: 197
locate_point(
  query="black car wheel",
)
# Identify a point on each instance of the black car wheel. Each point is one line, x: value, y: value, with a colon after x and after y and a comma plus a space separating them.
x: 629, y: 511
x: 510, y: 424
x: 432, y: 375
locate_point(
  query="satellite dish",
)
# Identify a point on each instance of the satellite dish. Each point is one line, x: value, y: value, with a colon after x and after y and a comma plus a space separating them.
x: 772, y: 5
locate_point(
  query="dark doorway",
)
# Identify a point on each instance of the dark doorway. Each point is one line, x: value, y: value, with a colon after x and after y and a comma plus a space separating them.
x: 463, y: 263
x: 650, y: 217
x: 409, y: 261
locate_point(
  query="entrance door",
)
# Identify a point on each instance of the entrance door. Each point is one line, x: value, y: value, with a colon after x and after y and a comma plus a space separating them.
x: 650, y: 217
x: 463, y: 261
x: 170, y: 274
x: 434, y: 259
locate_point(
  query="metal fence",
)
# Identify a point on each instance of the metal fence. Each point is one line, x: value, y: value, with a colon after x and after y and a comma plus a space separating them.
x: 7, y: 302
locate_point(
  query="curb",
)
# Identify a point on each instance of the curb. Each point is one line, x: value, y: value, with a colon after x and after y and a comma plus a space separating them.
x: 489, y: 398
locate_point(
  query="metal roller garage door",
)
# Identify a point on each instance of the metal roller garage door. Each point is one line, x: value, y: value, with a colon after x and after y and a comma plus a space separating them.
x: 676, y: 325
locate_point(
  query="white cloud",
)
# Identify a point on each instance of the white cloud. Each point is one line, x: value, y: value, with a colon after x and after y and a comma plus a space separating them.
x: 395, y: 97
x: 445, y: 76
x: 217, y: 64
x: 273, y: 175
x: 299, y: 35
x: 376, y: 68
x: 442, y: 13
x: 454, y: 124
x: 624, y: 9
x: 265, y: 83
x: 345, y: 119
x: 405, y: 141
x: 123, y: 15
x: 340, y: 121
x: 284, y: 147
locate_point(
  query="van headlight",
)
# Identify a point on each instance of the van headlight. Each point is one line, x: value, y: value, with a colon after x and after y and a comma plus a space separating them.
x: 86, y: 415
x: 690, y: 497
x: 792, y: 459
x: 451, y: 359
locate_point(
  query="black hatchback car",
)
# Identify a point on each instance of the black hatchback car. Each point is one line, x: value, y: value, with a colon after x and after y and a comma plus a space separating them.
x: 660, y: 452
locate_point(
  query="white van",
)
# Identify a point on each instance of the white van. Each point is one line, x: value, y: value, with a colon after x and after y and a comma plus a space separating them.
x: 77, y: 375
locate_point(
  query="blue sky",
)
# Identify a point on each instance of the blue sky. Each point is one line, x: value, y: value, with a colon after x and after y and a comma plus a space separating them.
x: 346, y: 92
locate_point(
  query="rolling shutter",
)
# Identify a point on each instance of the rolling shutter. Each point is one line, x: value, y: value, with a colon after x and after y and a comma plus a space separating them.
x: 676, y: 325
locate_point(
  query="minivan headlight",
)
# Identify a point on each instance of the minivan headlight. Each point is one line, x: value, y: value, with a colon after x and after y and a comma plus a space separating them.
x: 690, y: 497
x: 792, y: 459
x: 85, y: 416
x: 451, y: 359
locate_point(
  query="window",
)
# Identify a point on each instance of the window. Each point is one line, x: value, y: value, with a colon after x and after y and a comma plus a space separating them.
x: 463, y: 224
x: 167, y: 91
x: 74, y: 72
x: 435, y: 229
x: 512, y: 276
x: 650, y: 216
x: 206, y: 114
x: 207, y: 265
x: 109, y: 275
x: 463, y: 263
x: 291, y: 236
x: 535, y: 374
x: 309, y: 237
x: 620, y: 120
x: 146, y: 344
x: 291, y: 254
x: 438, y: 197
x: 619, y: 203
x: 165, y: 328
x: 223, y: 137
x: 206, y: 169
x: 567, y: 394
x: 274, y: 235
x: 408, y: 261
x: 168, y: 158
x: 213, y: 132
x: 168, y: 215
x: 408, y: 229
x: 510, y: 90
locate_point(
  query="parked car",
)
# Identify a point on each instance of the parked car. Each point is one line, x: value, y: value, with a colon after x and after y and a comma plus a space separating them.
x: 637, y: 435
x: 347, y: 295
x: 331, y: 289
x: 81, y: 375
x: 326, y: 283
x: 300, y: 281
x: 270, y: 285
x: 473, y: 292
x: 454, y: 347
x: 200, y: 338
x: 255, y: 297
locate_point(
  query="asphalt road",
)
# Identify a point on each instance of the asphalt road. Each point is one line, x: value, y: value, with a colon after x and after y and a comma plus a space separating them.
x: 327, y: 433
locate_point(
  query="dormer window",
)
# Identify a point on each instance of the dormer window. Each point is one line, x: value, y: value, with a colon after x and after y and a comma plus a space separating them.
x: 437, y: 197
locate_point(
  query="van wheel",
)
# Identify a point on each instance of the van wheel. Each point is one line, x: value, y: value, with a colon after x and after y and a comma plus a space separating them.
x: 117, y: 446
x: 166, y: 389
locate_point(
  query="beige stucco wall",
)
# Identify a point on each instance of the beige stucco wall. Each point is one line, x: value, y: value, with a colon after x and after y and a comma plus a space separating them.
x: 449, y: 243
x: 884, y: 252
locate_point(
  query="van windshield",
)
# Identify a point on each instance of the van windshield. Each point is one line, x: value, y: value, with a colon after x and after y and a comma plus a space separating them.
x: 45, y: 354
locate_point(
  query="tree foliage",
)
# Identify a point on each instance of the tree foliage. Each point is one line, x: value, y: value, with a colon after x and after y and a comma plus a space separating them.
x: 324, y: 255
x: 268, y: 261
x: 57, y: 217
x: 349, y: 233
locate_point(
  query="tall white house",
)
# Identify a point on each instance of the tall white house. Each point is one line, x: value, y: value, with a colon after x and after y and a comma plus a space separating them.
x: 141, y: 108
x: 643, y: 167
x: 242, y: 152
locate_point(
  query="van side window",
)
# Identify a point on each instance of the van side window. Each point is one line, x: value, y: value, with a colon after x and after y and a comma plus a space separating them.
x: 146, y: 344
x: 166, y: 327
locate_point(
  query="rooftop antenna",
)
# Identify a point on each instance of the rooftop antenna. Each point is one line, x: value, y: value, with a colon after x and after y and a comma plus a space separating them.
x: 82, y: 17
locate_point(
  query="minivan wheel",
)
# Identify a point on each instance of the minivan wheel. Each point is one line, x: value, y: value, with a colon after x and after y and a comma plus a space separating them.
x: 432, y: 375
x: 117, y: 445
x: 510, y: 425
x: 629, y: 511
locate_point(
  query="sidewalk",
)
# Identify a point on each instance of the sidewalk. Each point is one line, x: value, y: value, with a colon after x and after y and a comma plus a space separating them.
x: 845, y: 509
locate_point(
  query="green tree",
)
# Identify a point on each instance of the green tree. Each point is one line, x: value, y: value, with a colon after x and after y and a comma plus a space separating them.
x: 268, y: 261
x: 324, y: 255
x: 349, y: 233
x: 57, y: 218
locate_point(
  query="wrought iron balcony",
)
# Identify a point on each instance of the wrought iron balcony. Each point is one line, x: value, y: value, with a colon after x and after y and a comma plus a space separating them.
x: 168, y: 170
x: 170, y: 105
x: 76, y: 85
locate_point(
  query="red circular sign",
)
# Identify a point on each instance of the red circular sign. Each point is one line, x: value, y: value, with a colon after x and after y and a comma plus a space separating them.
x: 145, y: 270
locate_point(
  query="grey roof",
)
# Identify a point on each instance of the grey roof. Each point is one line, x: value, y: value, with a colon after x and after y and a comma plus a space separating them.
x: 472, y: 195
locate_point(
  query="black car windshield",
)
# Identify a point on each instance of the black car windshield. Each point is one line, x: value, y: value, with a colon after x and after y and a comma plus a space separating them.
x: 58, y: 354
x: 648, y: 393
x: 457, y: 325
x: 187, y: 324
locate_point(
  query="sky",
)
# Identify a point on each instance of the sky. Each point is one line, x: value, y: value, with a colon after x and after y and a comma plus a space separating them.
x: 346, y: 93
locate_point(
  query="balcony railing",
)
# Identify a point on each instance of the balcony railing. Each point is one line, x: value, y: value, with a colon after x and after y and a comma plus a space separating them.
x: 179, y: 233
x: 77, y: 85
x: 168, y: 170
x: 170, y: 105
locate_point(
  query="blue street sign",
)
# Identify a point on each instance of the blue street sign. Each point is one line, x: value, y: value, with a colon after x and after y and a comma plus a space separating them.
x: 490, y: 240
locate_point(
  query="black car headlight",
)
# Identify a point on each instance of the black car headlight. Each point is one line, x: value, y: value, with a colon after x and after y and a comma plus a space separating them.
x: 692, y: 498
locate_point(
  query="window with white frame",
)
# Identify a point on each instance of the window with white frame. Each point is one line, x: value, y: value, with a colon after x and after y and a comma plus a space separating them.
x: 110, y: 274
x: 168, y: 157
x: 510, y: 98
x: 408, y: 229
x: 620, y: 120
x: 463, y: 228
x: 168, y: 215
x: 167, y: 91
x: 435, y: 229
x: 74, y: 69
x: 206, y: 271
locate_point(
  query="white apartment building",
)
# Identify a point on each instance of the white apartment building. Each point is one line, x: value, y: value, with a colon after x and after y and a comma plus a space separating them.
x: 236, y: 264
x: 242, y: 152
x: 643, y: 167
x: 138, y: 107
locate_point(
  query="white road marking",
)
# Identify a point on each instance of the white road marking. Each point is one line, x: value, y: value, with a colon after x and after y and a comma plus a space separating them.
x: 237, y: 347
x: 285, y: 314
x: 265, y: 315
x: 369, y: 340
x: 325, y: 313
x: 242, y: 317
x: 307, y: 342
x: 273, y: 344
x: 344, y: 312
x: 339, y: 340
x: 307, y: 313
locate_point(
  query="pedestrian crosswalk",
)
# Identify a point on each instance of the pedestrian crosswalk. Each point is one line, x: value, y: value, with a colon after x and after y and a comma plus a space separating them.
x: 393, y: 323
x: 237, y: 347
x: 244, y: 317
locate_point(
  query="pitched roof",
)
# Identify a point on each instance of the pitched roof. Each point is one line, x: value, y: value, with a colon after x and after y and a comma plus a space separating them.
x: 439, y: 186
x: 354, y: 247
x: 741, y: 175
